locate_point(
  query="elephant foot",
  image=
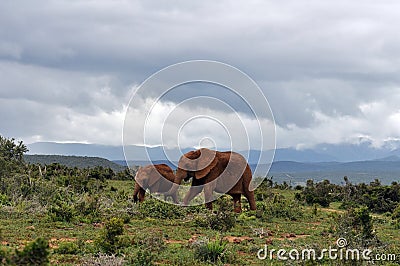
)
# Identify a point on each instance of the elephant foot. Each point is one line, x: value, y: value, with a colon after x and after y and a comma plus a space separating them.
x: 237, y: 209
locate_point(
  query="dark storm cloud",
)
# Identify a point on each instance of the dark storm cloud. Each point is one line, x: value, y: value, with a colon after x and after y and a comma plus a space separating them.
x: 319, y: 63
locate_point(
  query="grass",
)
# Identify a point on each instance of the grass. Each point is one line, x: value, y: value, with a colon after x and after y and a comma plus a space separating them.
x: 18, y: 228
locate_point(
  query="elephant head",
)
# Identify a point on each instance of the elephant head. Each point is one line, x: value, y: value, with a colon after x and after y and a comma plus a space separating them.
x: 157, y: 178
x: 194, y: 164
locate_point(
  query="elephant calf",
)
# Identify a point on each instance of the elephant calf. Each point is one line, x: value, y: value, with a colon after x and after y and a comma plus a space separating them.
x: 157, y: 178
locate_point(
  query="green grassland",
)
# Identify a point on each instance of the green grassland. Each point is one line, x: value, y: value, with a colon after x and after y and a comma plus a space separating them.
x: 59, y: 215
x: 168, y: 233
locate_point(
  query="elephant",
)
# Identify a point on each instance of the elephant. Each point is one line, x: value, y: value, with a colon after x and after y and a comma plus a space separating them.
x: 223, y: 172
x: 157, y: 178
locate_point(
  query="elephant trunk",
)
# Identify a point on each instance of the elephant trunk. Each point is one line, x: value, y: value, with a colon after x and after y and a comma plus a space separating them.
x: 180, y: 174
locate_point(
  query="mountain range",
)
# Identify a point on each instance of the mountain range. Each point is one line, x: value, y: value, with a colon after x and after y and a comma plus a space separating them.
x: 320, y: 153
x: 361, y: 163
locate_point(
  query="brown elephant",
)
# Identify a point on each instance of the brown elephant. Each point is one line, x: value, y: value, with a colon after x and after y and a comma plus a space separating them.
x: 222, y: 172
x: 157, y: 178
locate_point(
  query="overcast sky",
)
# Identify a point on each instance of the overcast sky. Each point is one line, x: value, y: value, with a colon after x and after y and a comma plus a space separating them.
x: 330, y: 70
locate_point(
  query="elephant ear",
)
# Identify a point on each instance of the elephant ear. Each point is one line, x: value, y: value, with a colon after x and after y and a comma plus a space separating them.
x: 153, y: 174
x: 207, y: 161
x: 188, y: 161
x: 141, y: 176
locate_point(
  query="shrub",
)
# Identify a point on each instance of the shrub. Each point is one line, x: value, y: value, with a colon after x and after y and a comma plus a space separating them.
x: 279, y: 207
x: 35, y: 253
x: 89, y: 207
x: 223, y: 219
x: 4, y: 257
x: 143, y: 257
x: 4, y: 200
x: 147, y: 245
x: 61, y: 212
x: 377, y: 197
x: 68, y: 248
x: 103, y: 259
x: 152, y: 241
x: 11, y: 155
x: 321, y: 193
x: 356, y: 226
x: 157, y: 209
x: 362, y: 221
x: 210, y: 251
x: 346, y: 205
x: 125, y: 175
x: 109, y: 241
x: 396, y: 213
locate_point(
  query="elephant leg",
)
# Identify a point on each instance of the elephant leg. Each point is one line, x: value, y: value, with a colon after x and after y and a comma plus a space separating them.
x: 142, y: 192
x: 193, y: 191
x: 174, y: 197
x: 250, y: 198
x: 208, y: 195
x: 136, y: 192
x: 237, y: 206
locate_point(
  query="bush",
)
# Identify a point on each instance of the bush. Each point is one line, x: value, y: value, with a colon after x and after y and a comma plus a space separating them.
x: 279, y: 207
x: 152, y: 241
x: 210, y: 251
x: 4, y: 200
x: 68, y: 248
x: 103, y: 259
x: 143, y: 257
x: 356, y: 226
x: 396, y: 213
x: 147, y: 245
x: 61, y: 212
x: 109, y: 241
x: 88, y: 207
x: 11, y: 156
x: 321, y: 193
x: 125, y: 175
x: 4, y: 257
x: 35, y: 253
x: 157, y: 209
x: 223, y: 219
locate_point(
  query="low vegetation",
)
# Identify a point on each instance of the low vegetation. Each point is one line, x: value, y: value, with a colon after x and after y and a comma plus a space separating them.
x: 58, y: 215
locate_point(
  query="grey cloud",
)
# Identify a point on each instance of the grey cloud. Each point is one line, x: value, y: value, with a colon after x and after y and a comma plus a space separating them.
x: 309, y: 57
x: 275, y: 40
x: 53, y: 87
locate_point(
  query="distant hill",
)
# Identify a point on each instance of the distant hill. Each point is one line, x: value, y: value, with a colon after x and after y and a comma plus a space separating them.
x: 360, y: 162
x: 142, y: 163
x: 360, y: 166
x: 76, y: 149
x: 386, y: 169
x: 307, y: 155
x: 73, y: 161
x: 392, y: 158
x: 320, y: 153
